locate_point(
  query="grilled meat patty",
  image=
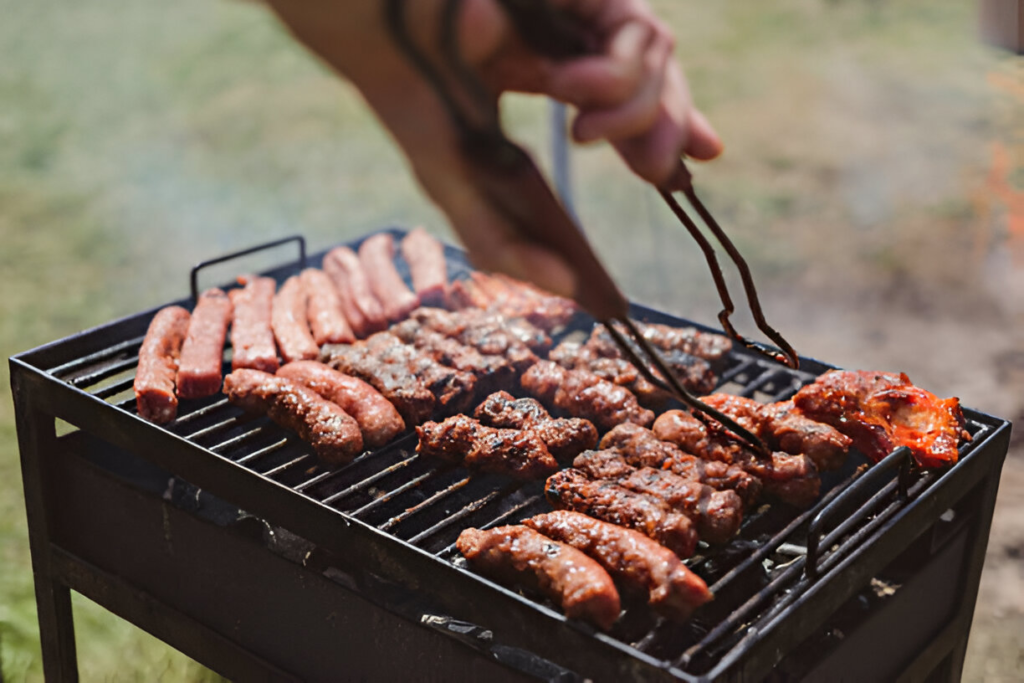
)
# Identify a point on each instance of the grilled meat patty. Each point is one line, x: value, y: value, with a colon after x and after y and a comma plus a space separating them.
x: 717, y: 514
x: 572, y: 490
x: 453, y: 388
x: 379, y: 421
x: 640, y: 447
x: 333, y: 433
x: 489, y: 333
x: 565, y: 438
x: 793, y: 479
x: 490, y: 371
x: 516, y: 453
x: 252, y: 339
x: 634, y: 560
x: 520, y: 555
x: 158, y: 365
x: 583, y: 394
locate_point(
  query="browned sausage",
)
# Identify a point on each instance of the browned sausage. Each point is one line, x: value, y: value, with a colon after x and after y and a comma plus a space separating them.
x: 377, y: 255
x: 332, y: 432
x: 202, y: 354
x: 378, y: 420
x: 635, y: 560
x: 288, y: 318
x: 252, y: 340
x: 425, y: 256
x: 323, y: 310
x: 517, y: 554
x: 361, y: 308
x: 158, y: 365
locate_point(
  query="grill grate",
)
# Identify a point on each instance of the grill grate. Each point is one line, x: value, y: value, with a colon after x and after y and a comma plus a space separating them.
x: 427, y: 504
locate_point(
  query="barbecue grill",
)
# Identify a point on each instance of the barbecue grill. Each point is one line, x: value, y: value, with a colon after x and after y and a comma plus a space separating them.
x: 221, y: 534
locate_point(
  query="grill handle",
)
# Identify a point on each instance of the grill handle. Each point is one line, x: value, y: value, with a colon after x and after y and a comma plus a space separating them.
x: 194, y: 275
x: 864, y: 486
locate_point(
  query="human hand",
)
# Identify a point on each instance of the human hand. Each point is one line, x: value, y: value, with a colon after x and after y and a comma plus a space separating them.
x: 630, y: 92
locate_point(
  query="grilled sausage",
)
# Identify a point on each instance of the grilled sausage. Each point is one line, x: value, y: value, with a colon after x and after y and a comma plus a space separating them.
x: 377, y: 254
x: 636, y: 561
x: 515, y: 453
x: 158, y: 365
x: 640, y: 447
x: 517, y: 554
x: 332, y: 432
x: 288, y: 319
x: 378, y: 420
x: 327, y: 322
x: 252, y: 339
x: 717, y: 514
x: 425, y: 256
x: 583, y: 394
x: 572, y: 490
x: 202, y: 354
x: 565, y: 438
x: 360, y: 306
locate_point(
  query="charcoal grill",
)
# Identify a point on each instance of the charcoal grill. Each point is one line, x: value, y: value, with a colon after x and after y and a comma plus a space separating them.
x: 221, y: 534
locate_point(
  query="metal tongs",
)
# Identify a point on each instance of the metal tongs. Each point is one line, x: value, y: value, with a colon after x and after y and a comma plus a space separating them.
x: 506, y: 175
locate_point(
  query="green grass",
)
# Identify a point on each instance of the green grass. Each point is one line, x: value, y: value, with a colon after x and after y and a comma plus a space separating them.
x: 137, y: 138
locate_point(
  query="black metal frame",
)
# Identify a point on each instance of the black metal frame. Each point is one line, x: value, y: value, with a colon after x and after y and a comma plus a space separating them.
x: 71, y: 550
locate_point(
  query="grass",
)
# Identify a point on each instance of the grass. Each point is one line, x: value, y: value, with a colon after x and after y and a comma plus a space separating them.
x: 146, y: 136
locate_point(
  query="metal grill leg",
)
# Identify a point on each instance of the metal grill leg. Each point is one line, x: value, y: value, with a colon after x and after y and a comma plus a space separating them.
x: 36, y: 438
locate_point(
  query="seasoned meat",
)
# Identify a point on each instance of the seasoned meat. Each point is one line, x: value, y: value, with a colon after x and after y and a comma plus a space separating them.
x: 288, y: 319
x: 640, y: 447
x: 202, y: 353
x: 517, y: 453
x: 490, y: 334
x: 323, y: 310
x: 519, y: 555
x: 793, y: 479
x: 565, y: 438
x: 490, y: 371
x: 158, y: 365
x: 332, y: 432
x: 717, y: 514
x: 785, y: 428
x: 637, y: 562
x: 572, y: 490
x: 252, y: 339
x: 379, y: 421
x: 360, y: 306
x: 425, y: 256
x: 582, y: 394
x: 685, y: 340
x: 453, y: 388
x: 575, y: 356
x: 397, y: 383
x: 515, y: 299
x: 377, y: 254
x: 881, y: 411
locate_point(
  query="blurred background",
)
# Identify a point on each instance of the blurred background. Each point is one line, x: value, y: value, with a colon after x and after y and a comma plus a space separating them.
x: 873, y: 176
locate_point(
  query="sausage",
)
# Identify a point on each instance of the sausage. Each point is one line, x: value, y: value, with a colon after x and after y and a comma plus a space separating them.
x: 332, y: 432
x: 425, y: 256
x: 636, y: 561
x: 360, y: 306
x: 202, y: 354
x: 378, y: 420
x: 323, y: 310
x: 515, y: 453
x: 252, y: 339
x: 158, y: 365
x: 517, y: 554
x: 584, y: 394
x: 377, y: 254
x: 288, y: 319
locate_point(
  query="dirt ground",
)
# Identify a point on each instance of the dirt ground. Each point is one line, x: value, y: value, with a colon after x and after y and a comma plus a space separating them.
x: 873, y: 177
